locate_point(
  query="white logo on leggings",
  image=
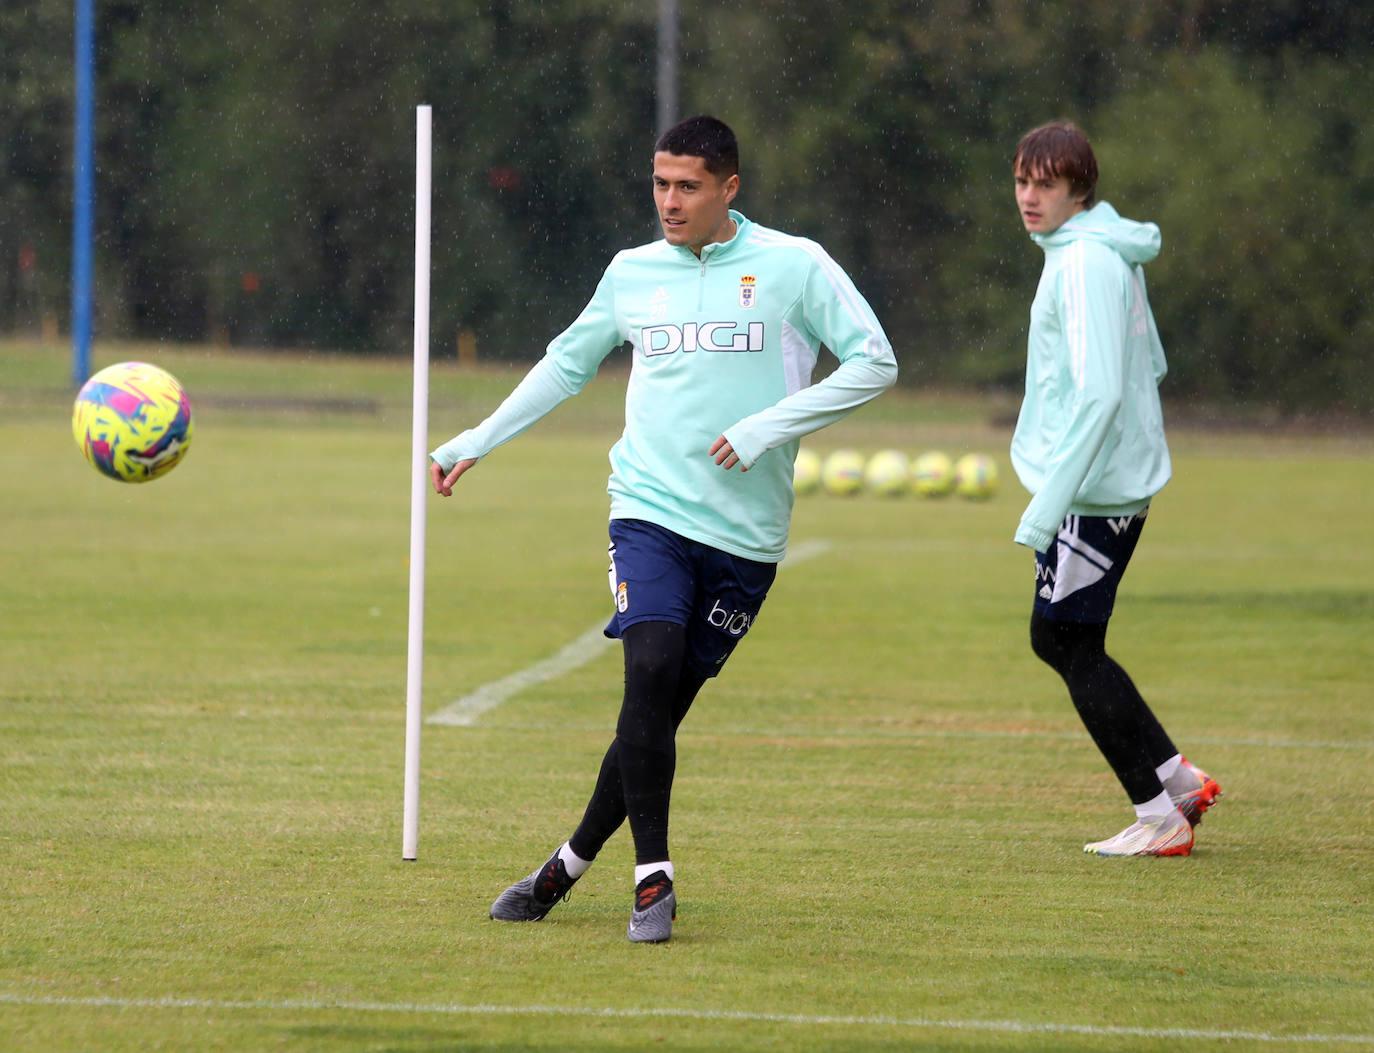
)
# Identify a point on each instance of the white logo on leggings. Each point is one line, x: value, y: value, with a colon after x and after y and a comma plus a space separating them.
x: 734, y: 622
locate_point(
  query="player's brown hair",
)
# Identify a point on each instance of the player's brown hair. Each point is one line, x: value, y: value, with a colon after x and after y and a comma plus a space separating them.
x: 1059, y: 149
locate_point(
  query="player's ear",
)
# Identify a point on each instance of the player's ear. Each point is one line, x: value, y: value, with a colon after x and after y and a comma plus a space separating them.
x: 731, y: 188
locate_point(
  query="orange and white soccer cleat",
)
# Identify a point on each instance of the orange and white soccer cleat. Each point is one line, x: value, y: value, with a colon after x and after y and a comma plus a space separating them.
x: 1192, y: 790
x: 1170, y: 836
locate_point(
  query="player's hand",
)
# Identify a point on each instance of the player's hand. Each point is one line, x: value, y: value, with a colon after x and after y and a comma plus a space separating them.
x: 443, y: 483
x: 725, y: 454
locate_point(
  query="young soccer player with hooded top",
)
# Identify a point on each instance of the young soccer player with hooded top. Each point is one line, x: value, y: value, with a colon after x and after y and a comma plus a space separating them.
x: 725, y: 319
x: 1089, y: 446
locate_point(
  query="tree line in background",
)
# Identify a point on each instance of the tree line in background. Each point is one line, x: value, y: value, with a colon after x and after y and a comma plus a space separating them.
x: 256, y: 186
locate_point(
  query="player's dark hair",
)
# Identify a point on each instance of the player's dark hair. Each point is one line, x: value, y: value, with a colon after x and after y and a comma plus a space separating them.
x: 704, y: 137
x: 1059, y: 149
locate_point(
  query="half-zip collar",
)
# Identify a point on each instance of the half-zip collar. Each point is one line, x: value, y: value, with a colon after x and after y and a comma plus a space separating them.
x: 717, y: 249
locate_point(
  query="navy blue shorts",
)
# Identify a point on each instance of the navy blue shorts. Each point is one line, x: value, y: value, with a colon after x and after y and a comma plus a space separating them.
x: 659, y: 576
x: 1076, y: 580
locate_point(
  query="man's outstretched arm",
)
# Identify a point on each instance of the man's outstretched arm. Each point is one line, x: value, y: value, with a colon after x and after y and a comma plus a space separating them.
x: 570, y: 362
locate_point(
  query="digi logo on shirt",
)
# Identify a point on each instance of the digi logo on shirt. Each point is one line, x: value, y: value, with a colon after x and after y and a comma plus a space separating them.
x: 701, y: 336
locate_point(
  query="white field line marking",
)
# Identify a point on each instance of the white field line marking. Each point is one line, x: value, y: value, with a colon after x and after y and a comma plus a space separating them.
x: 464, y: 712
x: 800, y: 553
x: 741, y: 1016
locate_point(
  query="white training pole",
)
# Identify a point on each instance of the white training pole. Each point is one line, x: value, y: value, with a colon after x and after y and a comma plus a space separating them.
x: 419, y: 487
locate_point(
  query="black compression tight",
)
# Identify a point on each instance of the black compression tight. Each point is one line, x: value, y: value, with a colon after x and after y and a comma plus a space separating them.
x: 636, y: 777
x: 1117, y: 718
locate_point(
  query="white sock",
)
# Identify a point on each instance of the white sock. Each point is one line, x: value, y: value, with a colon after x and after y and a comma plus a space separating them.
x: 1166, y: 770
x: 643, y: 870
x: 574, y: 864
x: 1155, y: 808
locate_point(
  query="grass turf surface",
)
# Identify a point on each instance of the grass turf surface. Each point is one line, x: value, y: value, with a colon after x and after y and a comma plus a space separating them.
x: 880, y: 806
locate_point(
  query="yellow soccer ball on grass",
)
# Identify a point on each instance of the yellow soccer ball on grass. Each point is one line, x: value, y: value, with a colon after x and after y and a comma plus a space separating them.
x: 932, y: 474
x: 975, y: 476
x: 843, y: 473
x: 887, y: 473
x: 806, y: 472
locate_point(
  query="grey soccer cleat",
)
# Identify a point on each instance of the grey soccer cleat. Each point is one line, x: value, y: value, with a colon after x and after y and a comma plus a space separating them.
x: 533, y: 897
x: 655, y: 908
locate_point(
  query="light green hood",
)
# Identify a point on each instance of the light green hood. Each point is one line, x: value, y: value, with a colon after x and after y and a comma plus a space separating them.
x: 1090, y: 436
x: 1136, y: 243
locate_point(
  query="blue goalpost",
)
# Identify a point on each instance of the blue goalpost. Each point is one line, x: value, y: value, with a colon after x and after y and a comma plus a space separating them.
x: 83, y: 193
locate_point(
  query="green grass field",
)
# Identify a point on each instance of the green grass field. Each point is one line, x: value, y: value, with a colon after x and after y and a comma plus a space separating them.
x: 880, y: 806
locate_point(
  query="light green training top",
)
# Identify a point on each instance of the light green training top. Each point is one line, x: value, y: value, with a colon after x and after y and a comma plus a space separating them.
x: 1090, y: 436
x: 722, y: 345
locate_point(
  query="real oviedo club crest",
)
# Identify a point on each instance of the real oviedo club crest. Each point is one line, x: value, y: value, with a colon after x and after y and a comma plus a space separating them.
x: 746, y: 290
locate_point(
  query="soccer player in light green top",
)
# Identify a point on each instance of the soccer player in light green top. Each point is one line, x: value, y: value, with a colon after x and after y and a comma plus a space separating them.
x: 724, y: 319
x: 1089, y: 446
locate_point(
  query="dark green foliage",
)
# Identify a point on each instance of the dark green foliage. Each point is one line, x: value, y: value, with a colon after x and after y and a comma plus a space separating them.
x: 1266, y: 208
x: 256, y: 178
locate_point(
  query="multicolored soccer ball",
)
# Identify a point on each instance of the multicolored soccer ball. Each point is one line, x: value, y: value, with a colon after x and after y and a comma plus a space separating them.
x: 886, y: 474
x: 932, y: 474
x: 843, y: 473
x: 975, y: 476
x: 132, y: 422
x: 806, y: 472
